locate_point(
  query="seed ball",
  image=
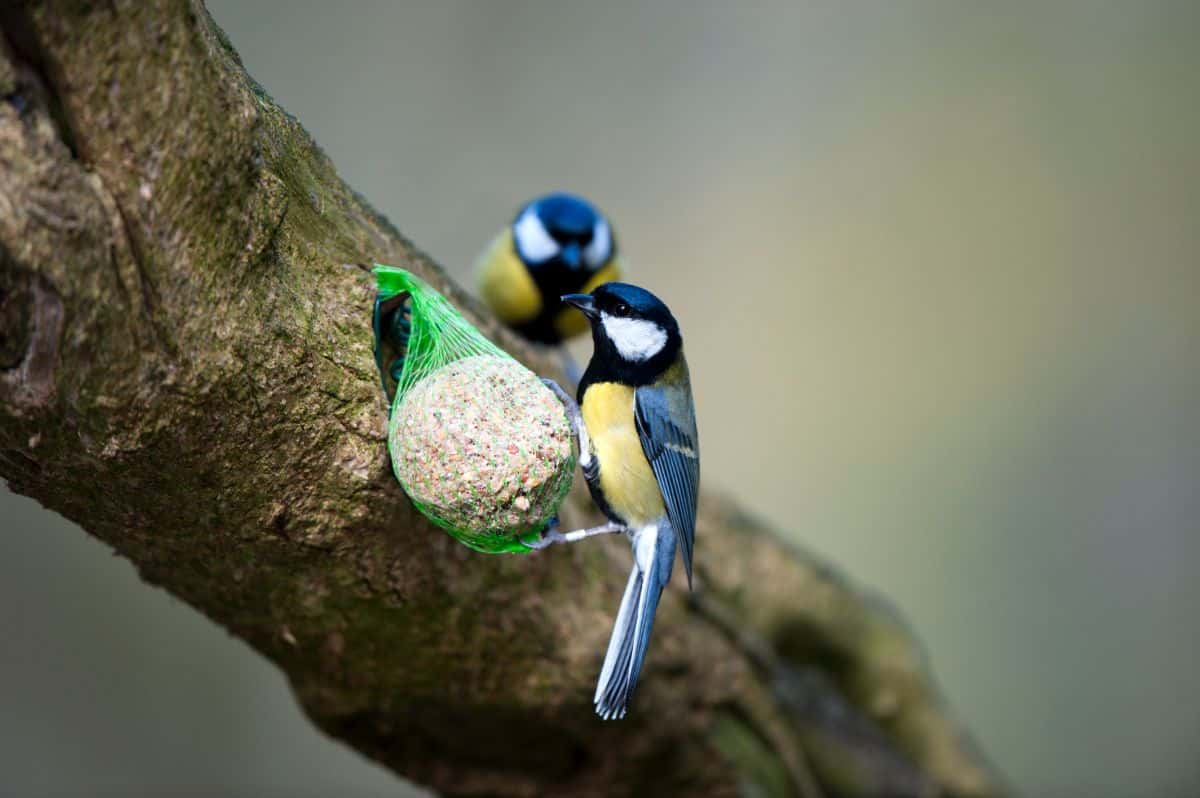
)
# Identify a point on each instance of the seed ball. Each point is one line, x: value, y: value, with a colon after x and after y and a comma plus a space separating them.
x: 483, y: 447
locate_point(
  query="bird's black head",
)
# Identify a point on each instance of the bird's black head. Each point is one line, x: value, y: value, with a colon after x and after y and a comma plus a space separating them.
x: 636, y: 337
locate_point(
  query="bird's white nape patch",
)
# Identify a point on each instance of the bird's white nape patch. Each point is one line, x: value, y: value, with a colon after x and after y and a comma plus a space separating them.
x: 533, y: 242
x: 598, y: 251
x: 635, y: 339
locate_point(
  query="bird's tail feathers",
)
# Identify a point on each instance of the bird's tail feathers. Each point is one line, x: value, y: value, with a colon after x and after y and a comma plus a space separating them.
x: 635, y: 621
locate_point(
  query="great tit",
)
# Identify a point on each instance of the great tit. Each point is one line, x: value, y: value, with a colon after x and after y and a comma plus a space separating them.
x: 392, y: 327
x: 635, y: 426
x: 556, y: 244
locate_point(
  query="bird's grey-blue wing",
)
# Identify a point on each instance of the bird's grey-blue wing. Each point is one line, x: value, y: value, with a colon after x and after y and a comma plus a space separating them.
x: 666, y: 424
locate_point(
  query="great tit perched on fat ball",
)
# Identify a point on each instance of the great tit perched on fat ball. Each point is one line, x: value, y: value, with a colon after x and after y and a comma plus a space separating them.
x: 635, y: 426
x: 557, y: 244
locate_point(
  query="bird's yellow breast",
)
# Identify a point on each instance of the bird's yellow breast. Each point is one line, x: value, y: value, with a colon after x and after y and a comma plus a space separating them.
x: 626, y: 480
x: 505, y: 284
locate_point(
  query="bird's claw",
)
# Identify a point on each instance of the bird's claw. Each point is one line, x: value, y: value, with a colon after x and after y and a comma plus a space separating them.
x: 547, y: 536
x: 575, y: 418
x: 558, y: 391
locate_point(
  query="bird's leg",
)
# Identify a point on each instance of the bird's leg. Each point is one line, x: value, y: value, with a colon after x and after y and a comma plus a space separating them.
x: 578, y: 428
x: 607, y: 528
x: 552, y: 535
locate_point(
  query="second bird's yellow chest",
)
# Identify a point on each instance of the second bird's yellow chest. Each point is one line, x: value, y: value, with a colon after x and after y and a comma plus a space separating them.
x: 626, y: 480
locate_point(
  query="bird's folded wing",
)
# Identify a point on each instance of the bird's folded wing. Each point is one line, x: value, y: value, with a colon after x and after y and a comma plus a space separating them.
x: 666, y: 425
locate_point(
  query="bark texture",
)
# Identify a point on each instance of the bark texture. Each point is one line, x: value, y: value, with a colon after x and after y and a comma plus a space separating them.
x: 186, y: 372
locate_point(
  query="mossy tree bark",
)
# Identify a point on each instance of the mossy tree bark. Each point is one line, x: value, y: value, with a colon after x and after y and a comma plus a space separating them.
x: 186, y: 372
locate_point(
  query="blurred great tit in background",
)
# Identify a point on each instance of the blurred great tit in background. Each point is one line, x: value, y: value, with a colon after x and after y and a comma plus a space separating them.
x: 557, y: 244
x: 635, y: 426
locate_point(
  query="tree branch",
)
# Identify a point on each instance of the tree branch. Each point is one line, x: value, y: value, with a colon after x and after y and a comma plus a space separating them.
x: 186, y: 372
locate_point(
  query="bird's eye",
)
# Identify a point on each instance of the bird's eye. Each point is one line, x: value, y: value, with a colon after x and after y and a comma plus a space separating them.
x: 620, y: 309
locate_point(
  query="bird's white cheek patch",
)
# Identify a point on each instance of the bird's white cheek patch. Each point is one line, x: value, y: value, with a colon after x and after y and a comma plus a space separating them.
x: 598, y: 251
x: 533, y: 242
x: 635, y: 339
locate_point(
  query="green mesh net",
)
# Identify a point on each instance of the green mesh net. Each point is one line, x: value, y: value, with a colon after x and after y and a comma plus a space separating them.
x: 478, y: 443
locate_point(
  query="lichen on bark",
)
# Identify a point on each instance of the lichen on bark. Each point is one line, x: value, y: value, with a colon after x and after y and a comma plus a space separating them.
x: 186, y: 372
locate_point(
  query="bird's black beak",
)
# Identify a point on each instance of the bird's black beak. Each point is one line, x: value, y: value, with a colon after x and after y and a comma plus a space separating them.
x: 584, y: 302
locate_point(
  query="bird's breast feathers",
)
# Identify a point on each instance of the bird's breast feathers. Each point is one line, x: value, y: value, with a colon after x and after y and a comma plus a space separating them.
x: 626, y: 479
x: 505, y: 284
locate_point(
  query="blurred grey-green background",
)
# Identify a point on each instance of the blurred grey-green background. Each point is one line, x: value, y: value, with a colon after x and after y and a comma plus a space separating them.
x: 938, y: 269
